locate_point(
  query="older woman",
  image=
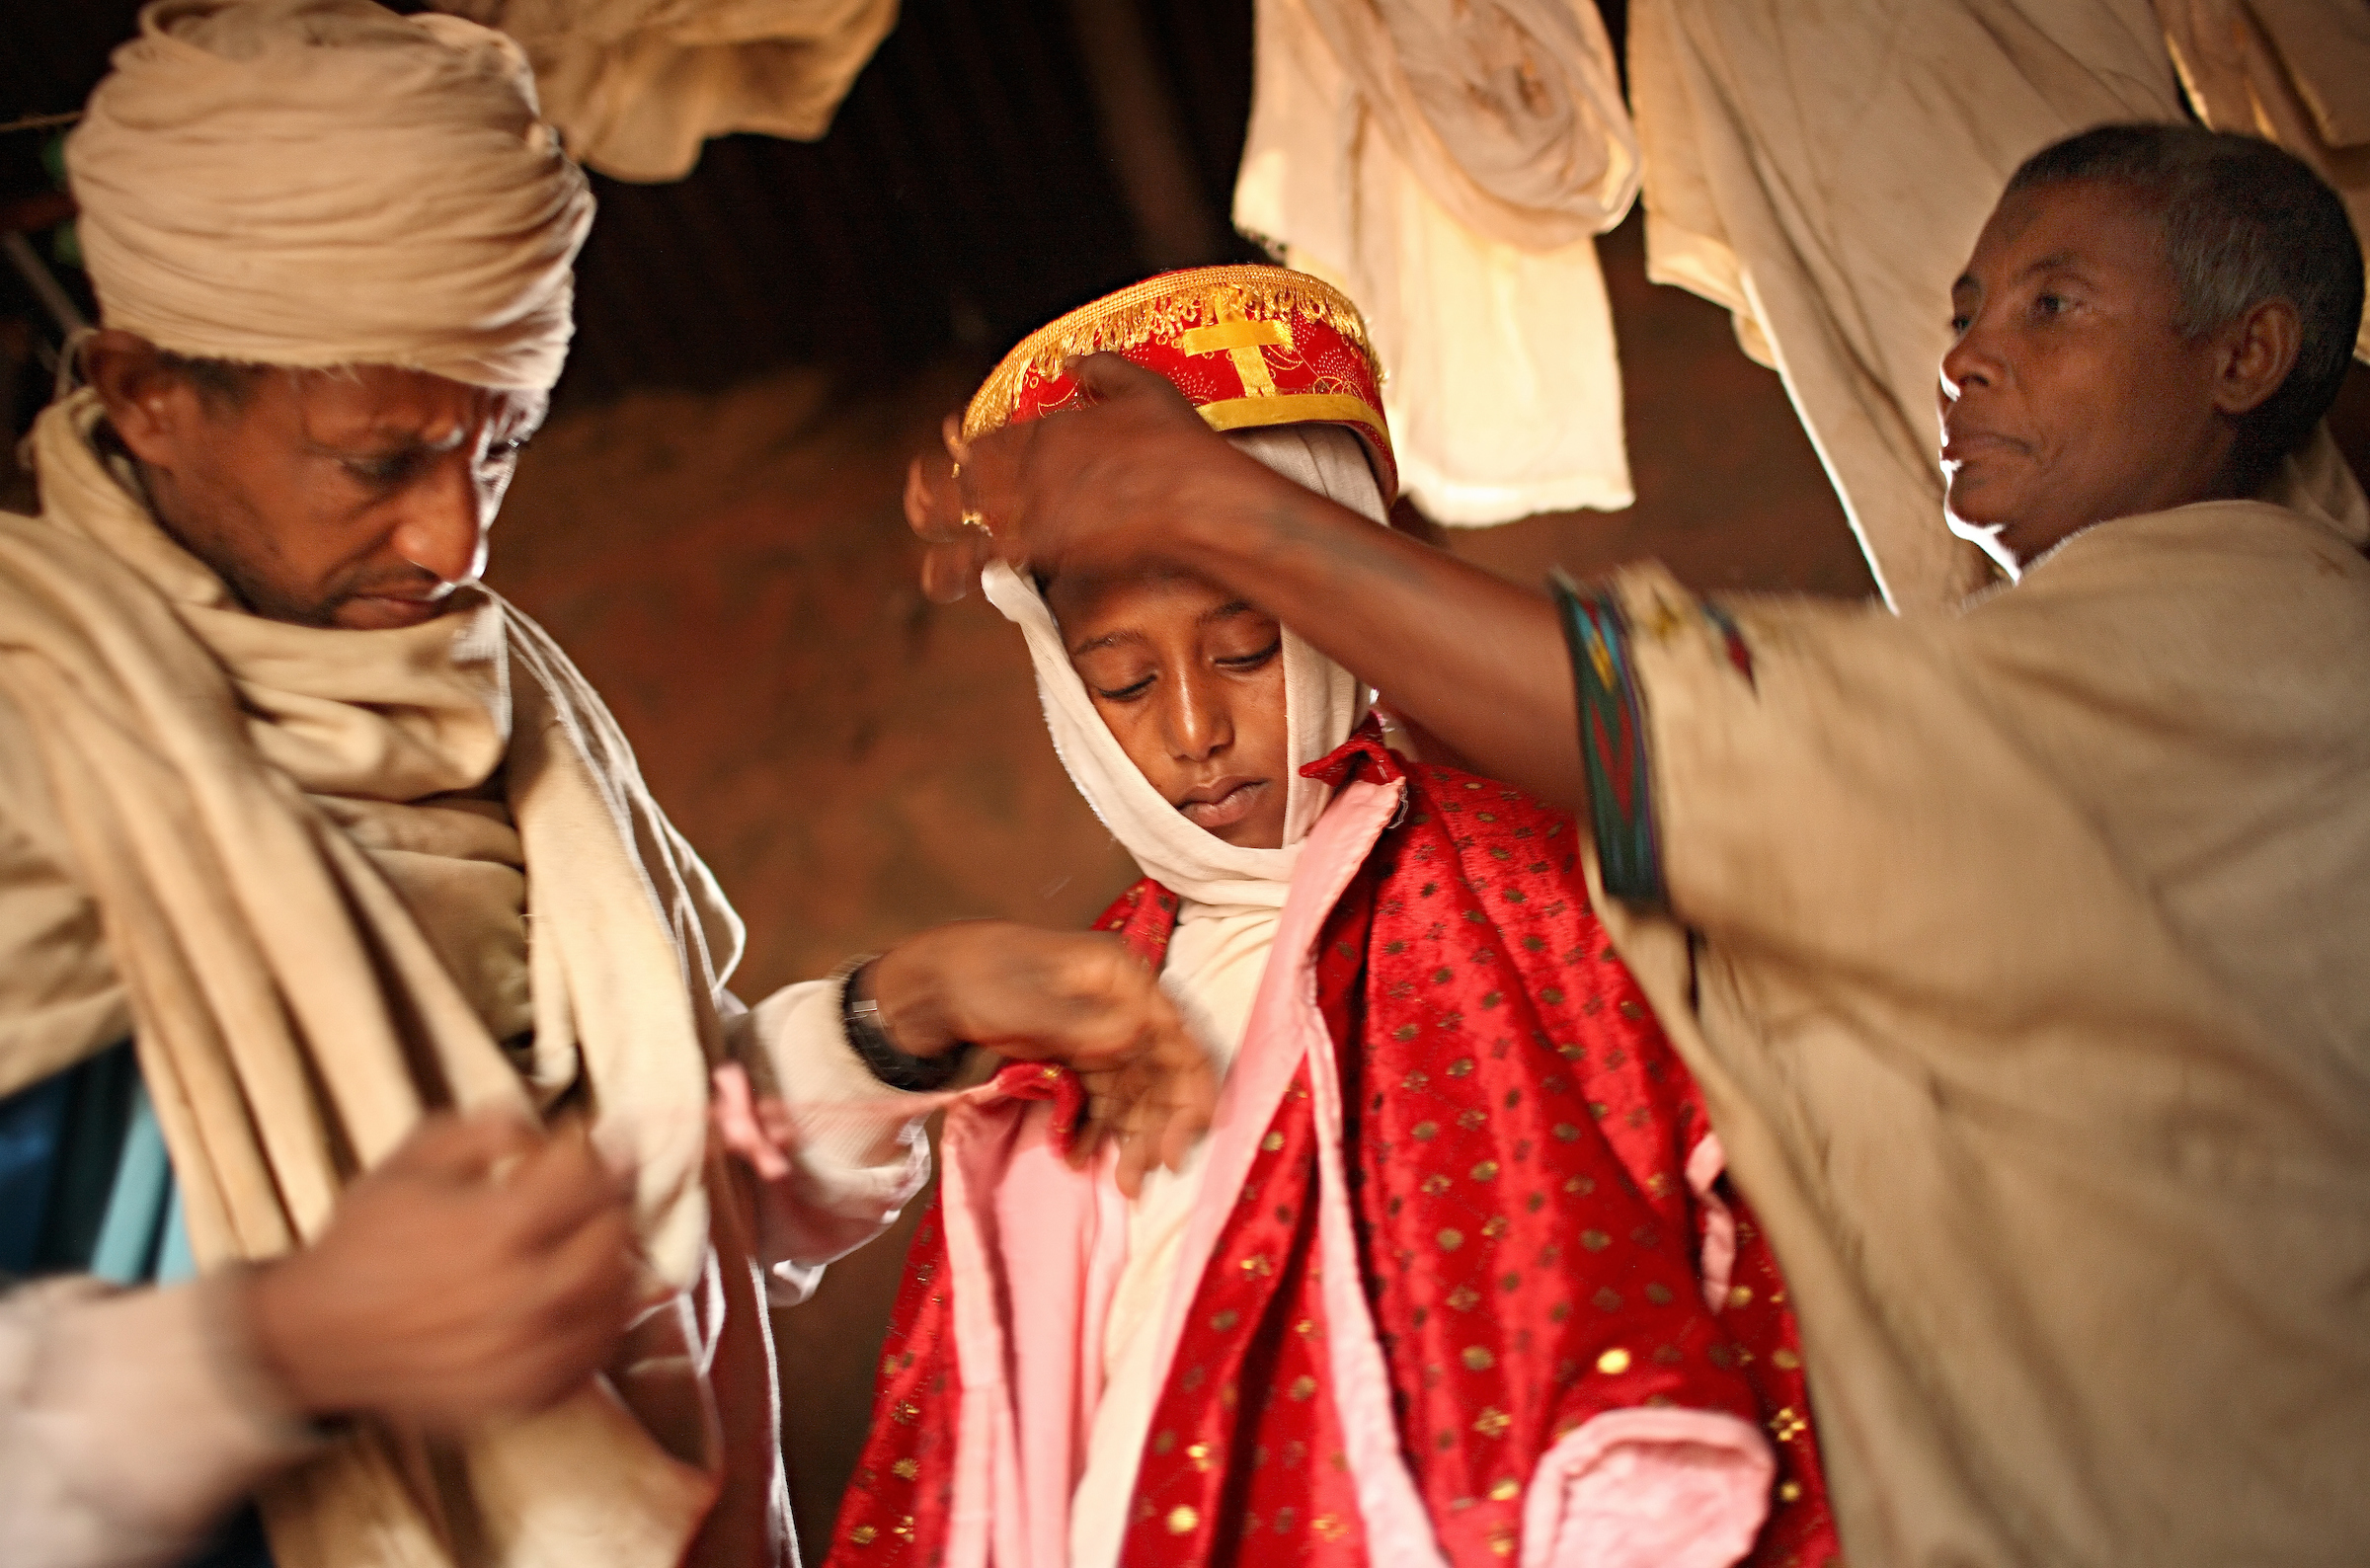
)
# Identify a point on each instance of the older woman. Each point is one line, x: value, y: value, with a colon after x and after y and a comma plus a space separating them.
x: 2016, y: 950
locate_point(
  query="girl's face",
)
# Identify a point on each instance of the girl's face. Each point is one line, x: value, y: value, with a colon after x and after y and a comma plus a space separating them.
x: 1191, y: 685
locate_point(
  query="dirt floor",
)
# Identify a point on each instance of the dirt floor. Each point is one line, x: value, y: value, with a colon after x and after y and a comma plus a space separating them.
x: 733, y: 574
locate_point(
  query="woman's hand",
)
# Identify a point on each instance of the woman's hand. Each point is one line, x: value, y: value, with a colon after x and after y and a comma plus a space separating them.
x: 1087, y: 490
x: 1078, y: 998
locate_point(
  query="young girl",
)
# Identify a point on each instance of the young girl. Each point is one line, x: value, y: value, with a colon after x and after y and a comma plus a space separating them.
x: 1454, y: 1275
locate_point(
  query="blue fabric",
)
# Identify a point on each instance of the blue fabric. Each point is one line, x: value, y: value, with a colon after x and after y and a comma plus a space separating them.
x: 33, y: 1124
x: 139, y: 1202
x: 86, y: 1187
x: 174, y: 1264
x: 64, y: 1138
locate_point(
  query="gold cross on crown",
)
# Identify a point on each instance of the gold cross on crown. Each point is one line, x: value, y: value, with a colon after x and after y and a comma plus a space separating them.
x: 1241, y: 340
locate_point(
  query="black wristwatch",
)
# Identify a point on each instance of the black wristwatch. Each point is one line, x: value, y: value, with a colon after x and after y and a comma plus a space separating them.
x: 861, y: 1022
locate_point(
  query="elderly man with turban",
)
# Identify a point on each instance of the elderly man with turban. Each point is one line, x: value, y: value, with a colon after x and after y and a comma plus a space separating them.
x: 2018, y: 951
x: 281, y: 790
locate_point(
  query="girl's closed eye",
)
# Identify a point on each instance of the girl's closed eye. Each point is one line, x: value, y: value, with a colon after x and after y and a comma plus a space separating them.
x: 1125, y: 693
x: 1256, y: 659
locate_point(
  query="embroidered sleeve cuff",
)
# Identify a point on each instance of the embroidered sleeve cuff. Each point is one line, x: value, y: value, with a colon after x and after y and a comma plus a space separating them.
x: 1613, y: 744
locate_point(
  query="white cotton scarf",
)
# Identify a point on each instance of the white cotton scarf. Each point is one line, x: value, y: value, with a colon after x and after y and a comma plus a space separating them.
x: 1322, y: 703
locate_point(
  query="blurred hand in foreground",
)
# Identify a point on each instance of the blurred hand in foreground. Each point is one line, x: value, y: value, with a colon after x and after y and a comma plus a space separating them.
x: 484, y: 1268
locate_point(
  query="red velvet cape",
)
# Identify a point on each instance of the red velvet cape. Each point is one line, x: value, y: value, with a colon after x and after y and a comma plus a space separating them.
x: 1518, y: 1130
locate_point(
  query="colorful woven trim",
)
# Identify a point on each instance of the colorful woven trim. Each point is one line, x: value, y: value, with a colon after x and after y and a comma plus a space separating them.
x: 1613, y: 745
x: 1248, y: 346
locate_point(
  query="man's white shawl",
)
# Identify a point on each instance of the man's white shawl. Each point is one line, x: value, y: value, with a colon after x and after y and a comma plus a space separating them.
x: 283, y: 828
x: 293, y: 1020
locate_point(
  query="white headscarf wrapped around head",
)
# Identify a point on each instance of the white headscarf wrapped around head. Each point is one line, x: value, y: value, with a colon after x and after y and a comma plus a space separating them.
x: 1323, y: 701
x: 323, y: 183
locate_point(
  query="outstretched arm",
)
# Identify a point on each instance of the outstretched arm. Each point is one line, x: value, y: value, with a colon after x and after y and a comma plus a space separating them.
x: 1076, y: 997
x: 1138, y: 480
x: 839, y: 1135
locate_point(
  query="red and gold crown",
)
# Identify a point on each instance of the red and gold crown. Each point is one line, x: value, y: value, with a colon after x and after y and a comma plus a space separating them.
x: 1248, y: 346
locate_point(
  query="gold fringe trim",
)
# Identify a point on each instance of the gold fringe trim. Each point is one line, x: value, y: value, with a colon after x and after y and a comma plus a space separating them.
x: 1163, y: 307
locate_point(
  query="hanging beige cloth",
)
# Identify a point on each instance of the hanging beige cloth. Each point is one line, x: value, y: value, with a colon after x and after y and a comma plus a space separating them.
x: 636, y: 86
x: 293, y: 1022
x: 1823, y: 171
x: 2296, y: 72
x: 1448, y: 169
x: 2018, y: 952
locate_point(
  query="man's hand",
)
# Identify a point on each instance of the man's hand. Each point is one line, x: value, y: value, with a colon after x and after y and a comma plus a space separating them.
x: 482, y: 1268
x: 1079, y: 998
x: 1091, y: 490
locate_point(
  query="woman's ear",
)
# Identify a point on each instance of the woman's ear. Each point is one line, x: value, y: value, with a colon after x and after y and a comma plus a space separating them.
x: 2259, y: 349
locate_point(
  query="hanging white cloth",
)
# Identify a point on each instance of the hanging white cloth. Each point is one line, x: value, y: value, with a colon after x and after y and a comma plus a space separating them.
x: 1451, y: 178
x: 639, y: 86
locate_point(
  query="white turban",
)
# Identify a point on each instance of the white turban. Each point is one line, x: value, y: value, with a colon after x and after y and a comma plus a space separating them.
x: 323, y: 183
